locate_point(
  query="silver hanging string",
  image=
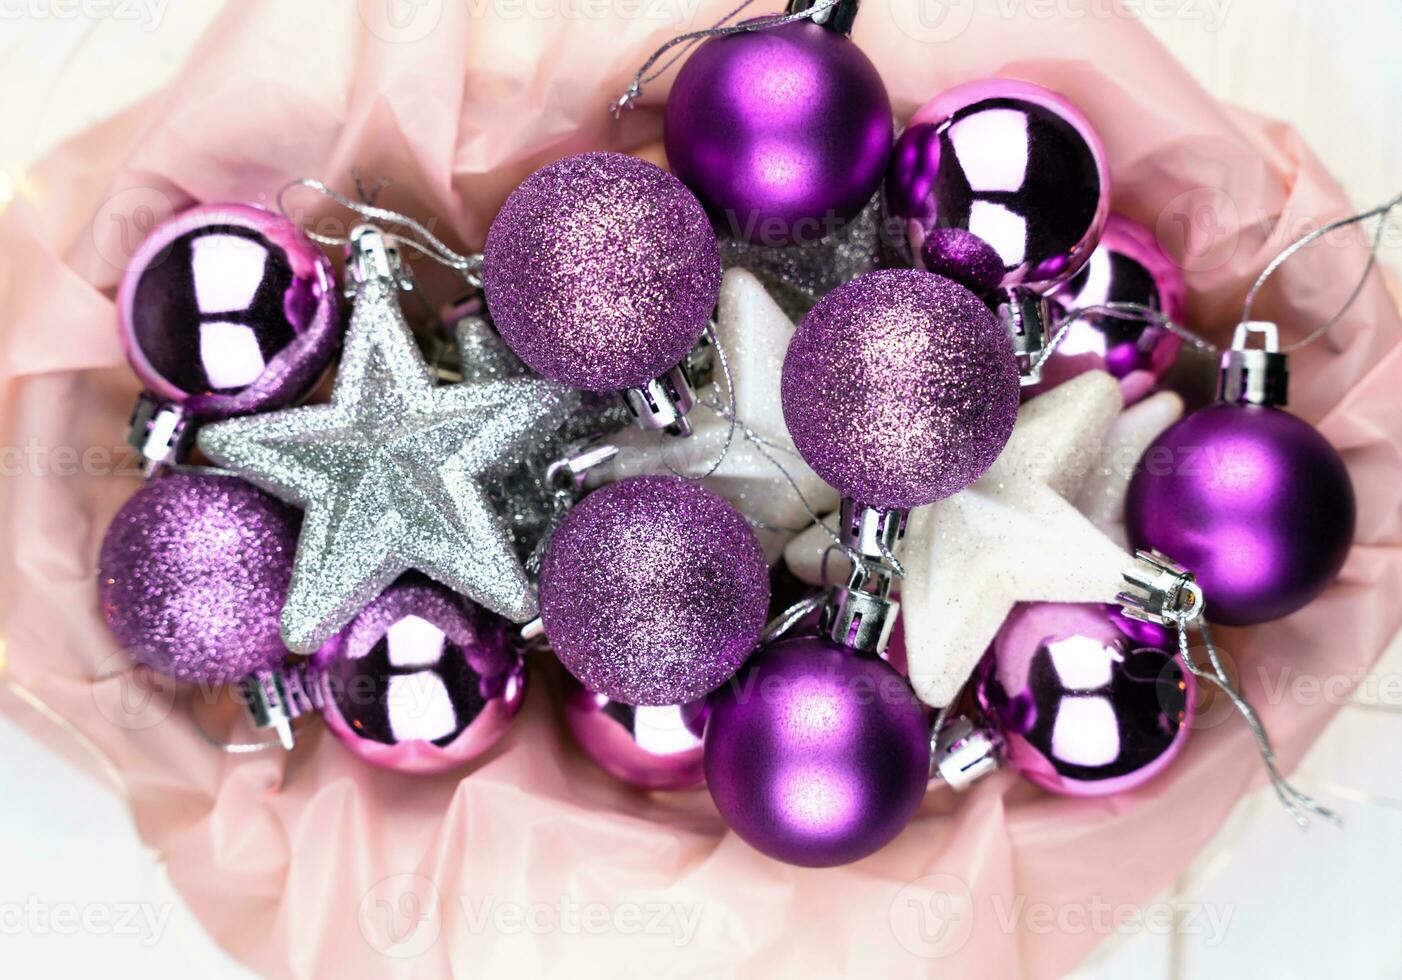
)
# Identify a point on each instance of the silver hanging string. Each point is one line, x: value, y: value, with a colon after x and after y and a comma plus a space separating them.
x: 790, y: 618
x: 1138, y: 311
x: 1297, y: 804
x: 730, y: 395
x: 647, y: 73
x: 426, y: 243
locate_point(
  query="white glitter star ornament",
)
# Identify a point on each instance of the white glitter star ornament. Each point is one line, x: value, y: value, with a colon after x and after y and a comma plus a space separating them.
x: 1012, y: 537
x: 754, y: 333
x: 1102, y: 496
x: 390, y: 471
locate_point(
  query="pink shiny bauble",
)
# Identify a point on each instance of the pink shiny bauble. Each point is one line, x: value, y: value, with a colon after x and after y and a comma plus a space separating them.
x: 1128, y: 266
x: 647, y: 746
x: 228, y: 309
x: 1091, y: 703
x: 998, y: 183
x: 421, y: 681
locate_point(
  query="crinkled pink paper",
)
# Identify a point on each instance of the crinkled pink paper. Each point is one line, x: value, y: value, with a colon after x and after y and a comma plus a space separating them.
x: 297, y: 864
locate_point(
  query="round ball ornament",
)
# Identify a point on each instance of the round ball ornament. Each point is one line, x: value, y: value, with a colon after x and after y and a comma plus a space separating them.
x: 192, y: 576
x: 651, y: 747
x: 998, y: 184
x: 601, y: 271
x: 816, y: 755
x: 783, y: 132
x: 1089, y: 702
x: 900, y: 388
x: 653, y: 591
x: 1128, y: 266
x: 1253, y: 501
x: 228, y: 309
x: 422, y: 681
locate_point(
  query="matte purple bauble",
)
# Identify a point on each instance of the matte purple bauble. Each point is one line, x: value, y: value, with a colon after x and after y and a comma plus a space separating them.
x: 900, y: 388
x: 816, y: 755
x: 998, y: 183
x: 1089, y: 702
x: 421, y: 681
x: 1250, y: 499
x: 193, y: 574
x: 783, y: 133
x: 653, y: 590
x: 601, y: 271
x: 1128, y: 266
x: 648, y: 746
x: 228, y: 309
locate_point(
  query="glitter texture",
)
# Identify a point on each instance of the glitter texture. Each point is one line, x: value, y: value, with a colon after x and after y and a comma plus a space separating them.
x: 601, y: 271
x: 653, y: 591
x: 228, y: 309
x: 900, y: 388
x: 192, y: 575
x: 390, y: 473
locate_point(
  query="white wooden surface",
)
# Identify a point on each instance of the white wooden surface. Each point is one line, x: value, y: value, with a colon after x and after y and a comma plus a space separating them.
x: 1294, y: 906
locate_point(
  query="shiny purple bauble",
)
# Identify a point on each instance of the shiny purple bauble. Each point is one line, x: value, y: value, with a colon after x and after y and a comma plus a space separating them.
x: 647, y: 746
x: 900, y: 388
x: 1090, y: 703
x: 421, y: 681
x: 816, y: 755
x: 193, y: 574
x: 601, y: 271
x: 1250, y: 499
x: 1128, y: 266
x: 653, y: 590
x: 783, y: 133
x: 995, y: 184
x: 227, y: 309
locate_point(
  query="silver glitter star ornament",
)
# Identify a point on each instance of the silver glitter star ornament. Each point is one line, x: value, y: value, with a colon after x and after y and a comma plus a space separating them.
x: 391, y: 472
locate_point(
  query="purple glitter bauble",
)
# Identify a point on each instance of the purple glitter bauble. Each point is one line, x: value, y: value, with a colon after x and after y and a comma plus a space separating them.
x: 816, y: 755
x: 193, y: 574
x: 1251, y: 500
x: 653, y: 590
x: 998, y: 183
x: 421, y: 681
x: 1128, y: 266
x: 1089, y: 702
x: 783, y: 133
x: 900, y: 388
x: 601, y: 271
x: 228, y: 309
x: 649, y: 746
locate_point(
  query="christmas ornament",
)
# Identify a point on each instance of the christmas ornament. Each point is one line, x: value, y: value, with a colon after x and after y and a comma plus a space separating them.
x: 192, y: 575
x: 1090, y: 703
x: 1128, y: 266
x: 601, y: 272
x: 754, y: 333
x: 1011, y: 537
x: 1002, y: 186
x: 653, y: 591
x: 390, y: 471
x: 654, y: 747
x: 1249, y: 498
x: 797, y: 276
x: 223, y: 310
x: 1102, y: 495
x: 816, y: 755
x: 782, y: 131
x: 899, y: 388
x: 420, y: 681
